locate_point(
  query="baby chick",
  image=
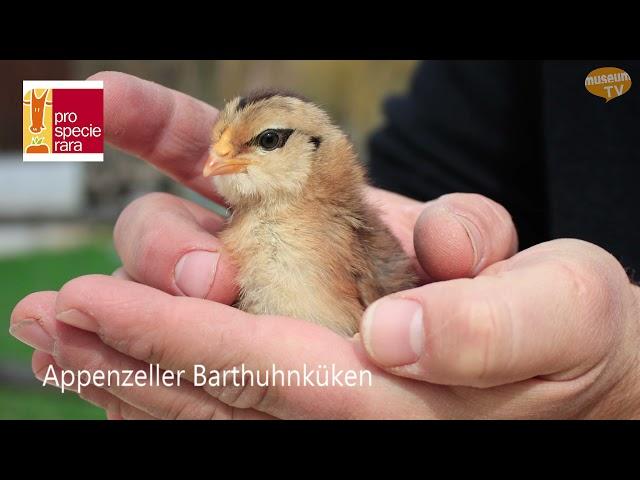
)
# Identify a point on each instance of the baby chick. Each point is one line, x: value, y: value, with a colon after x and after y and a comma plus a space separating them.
x: 305, y: 241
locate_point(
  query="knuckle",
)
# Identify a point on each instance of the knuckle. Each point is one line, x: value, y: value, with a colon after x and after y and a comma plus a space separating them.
x: 493, y: 221
x: 135, y: 328
x: 589, y: 288
x: 148, y: 338
x: 578, y: 277
x: 483, y: 330
x: 593, y: 297
x: 198, y: 409
x: 140, y: 347
x: 181, y: 410
x: 241, y: 384
x: 246, y: 394
x: 245, y: 340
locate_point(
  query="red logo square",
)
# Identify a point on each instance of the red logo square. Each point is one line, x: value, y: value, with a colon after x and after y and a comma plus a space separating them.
x: 78, y: 121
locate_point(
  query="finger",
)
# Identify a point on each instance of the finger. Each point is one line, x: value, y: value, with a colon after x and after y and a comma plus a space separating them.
x: 460, y: 234
x: 27, y: 324
x: 116, y: 409
x: 78, y: 350
x: 164, y: 127
x: 549, y: 311
x: 175, y: 399
x: 179, y: 333
x: 168, y: 243
x: 45, y: 369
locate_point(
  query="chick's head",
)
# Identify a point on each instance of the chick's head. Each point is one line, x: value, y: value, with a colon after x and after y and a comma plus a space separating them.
x: 265, y: 145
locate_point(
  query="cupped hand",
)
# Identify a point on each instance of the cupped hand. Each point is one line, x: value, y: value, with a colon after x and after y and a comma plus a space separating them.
x: 548, y: 332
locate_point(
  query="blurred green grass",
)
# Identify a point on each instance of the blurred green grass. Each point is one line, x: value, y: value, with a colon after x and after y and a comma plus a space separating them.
x: 46, y: 270
x: 45, y: 404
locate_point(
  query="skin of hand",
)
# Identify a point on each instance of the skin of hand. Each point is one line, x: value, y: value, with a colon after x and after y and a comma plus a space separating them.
x: 549, y: 332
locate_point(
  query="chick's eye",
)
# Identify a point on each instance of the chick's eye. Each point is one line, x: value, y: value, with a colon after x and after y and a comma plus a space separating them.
x: 269, y: 140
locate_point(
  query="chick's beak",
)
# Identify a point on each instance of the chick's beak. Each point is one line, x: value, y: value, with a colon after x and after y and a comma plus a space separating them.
x: 221, y: 162
x: 223, y: 166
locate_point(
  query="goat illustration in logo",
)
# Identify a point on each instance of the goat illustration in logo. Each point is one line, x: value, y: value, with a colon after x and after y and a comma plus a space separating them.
x: 37, y: 122
x: 38, y: 105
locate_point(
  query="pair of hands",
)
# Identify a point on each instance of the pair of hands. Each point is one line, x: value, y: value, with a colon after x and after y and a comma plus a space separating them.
x: 549, y: 332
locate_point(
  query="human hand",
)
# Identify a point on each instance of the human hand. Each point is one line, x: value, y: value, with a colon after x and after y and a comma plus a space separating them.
x: 562, y: 345
x: 181, y: 331
x: 164, y: 241
x: 550, y: 332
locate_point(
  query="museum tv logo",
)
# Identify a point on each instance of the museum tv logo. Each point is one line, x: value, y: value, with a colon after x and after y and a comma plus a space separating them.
x: 608, y: 83
x: 62, y: 121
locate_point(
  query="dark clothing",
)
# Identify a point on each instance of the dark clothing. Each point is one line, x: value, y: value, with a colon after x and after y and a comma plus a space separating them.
x: 528, y: 135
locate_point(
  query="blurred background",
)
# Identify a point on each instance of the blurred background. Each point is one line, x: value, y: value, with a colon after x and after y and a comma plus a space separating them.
x: 56, y: 218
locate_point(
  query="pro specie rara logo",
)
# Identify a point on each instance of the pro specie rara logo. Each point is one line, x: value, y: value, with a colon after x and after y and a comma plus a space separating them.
x: 62, y: 121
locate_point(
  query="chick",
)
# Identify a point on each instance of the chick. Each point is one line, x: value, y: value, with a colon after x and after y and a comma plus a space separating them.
x: 305, y: 241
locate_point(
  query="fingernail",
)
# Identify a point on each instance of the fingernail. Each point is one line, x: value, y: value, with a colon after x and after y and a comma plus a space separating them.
x: 195, y: 271
x: 393, y: 331
x: 78, y: 319
x: 30, y: 332
x: 473, y: 232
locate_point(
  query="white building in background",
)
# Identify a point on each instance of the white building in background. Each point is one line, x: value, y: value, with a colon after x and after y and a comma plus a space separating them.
x: 37, y: 190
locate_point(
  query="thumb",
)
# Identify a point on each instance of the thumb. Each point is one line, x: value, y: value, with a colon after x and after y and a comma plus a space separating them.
x: 460, y: 234
x: 552, y: 310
